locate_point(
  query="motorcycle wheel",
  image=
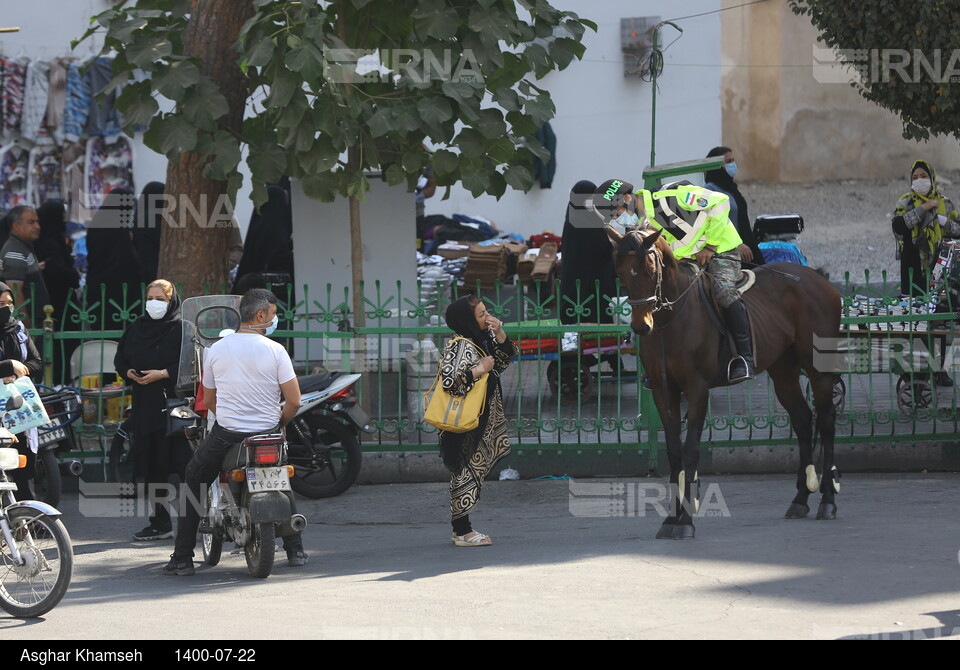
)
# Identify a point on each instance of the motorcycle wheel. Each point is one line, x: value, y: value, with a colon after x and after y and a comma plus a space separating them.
x: 212, y: 542
x: 260, y: 549
x: 330, y: 463
x: 47, y: 480
x: 34, y: 588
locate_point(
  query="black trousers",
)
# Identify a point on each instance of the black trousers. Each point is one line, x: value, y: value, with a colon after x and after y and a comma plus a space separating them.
x: 202, y: 471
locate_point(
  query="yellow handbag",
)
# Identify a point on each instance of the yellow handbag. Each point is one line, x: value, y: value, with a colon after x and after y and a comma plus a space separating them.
x: 457, y: 414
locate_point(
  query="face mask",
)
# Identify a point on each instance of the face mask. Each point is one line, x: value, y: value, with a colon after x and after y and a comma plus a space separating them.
x: 5, y: 314
x: 624, y: 221
x: 156, y: 309
x: 731, y: 169
x: 921, y: 186
x: 270, y: 327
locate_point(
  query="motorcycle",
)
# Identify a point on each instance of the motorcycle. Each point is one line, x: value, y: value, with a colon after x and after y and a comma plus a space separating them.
x: 249, y: 503
x: 324, y: 435
x: 63, y: 409
x: 36, y: 554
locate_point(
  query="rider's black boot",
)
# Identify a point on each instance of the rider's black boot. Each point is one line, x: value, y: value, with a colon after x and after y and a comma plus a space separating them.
x: 741, y: 368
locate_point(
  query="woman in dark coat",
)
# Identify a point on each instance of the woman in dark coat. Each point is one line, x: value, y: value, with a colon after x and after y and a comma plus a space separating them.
x: 722, y: 181
x: 268, y: 245
x: 112, y: 259
x: 586, y: 255
x: 18, y: 358
x: 146, y: 232
x: 148, y: 355
x: 53, y: 251
x: 470, y: 456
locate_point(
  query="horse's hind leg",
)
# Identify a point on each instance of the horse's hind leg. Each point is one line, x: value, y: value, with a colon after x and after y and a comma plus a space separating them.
x: 822, y: 385
x: 785, y: 374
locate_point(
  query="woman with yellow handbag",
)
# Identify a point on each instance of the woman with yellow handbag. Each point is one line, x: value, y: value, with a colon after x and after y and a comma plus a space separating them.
x: 481, y: 349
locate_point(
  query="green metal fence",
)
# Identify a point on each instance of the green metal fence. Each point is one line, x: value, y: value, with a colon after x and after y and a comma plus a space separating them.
x: 574, y: 389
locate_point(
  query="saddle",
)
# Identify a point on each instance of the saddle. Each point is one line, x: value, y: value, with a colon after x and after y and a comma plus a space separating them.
x: 708, y: 294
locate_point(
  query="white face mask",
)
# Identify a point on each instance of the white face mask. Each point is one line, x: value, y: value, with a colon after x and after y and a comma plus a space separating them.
x: 921, y: 186
x: 156, y: 309
x: 624, y: 221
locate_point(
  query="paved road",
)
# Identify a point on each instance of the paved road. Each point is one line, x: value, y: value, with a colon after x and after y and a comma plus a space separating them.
x: 570, y: 560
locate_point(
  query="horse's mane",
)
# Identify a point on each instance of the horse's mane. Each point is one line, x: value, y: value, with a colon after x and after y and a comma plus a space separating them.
x: 633, y: 242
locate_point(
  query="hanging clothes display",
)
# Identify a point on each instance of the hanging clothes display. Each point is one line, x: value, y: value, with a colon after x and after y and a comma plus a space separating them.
x: 108, y: 165
x: 59, y: 141
x: 14, y: 168
x: 14, y: 78
x: 36, y: 86
x: 44, y: 174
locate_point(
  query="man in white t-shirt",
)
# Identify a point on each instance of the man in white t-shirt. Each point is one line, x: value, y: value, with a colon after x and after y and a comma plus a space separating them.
x: 244, y: 377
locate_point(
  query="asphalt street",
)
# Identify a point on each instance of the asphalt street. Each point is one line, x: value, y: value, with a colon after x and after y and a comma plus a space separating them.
x: 571, y: 559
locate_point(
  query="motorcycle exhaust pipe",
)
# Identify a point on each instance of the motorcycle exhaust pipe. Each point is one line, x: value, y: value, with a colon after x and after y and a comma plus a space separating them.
x: 71, y: 467
x: 295, y: 524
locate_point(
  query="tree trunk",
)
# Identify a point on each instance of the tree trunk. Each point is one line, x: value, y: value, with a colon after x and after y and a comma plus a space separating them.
x: 194, y: 253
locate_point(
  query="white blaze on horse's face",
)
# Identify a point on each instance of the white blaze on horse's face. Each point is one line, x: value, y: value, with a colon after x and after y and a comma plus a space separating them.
x: 639, y: 267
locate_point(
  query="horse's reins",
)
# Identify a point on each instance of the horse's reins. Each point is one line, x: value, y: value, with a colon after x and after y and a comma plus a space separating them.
x: 657, y: 299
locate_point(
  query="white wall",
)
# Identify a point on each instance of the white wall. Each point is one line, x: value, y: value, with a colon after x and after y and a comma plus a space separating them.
x: 603, y: 119
x: 321, y: 233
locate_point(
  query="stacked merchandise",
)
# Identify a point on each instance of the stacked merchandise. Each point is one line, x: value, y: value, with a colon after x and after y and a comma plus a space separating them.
x: 437, y: 275
x: 486, y: 264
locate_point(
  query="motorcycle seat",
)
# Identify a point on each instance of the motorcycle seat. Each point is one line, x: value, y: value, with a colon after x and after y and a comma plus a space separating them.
x: 317, y: 382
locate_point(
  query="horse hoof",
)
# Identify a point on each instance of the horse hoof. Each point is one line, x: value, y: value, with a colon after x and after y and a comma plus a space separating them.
x: 676, y: 531
x: 797, y: 511
x: 666, y: 531
x: 827, y: 511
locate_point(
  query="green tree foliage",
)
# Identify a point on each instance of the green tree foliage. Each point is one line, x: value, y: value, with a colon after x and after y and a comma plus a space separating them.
x: 462, y: 75
x: 907, y: 53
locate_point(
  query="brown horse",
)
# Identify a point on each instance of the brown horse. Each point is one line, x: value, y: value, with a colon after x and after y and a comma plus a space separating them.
x: 684, y: 352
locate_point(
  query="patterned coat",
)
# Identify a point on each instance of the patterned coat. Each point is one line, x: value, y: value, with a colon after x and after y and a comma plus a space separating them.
x: 479, y: 450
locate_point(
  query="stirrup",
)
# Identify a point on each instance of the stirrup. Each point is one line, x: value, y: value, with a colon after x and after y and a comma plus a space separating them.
x: 749, y: 373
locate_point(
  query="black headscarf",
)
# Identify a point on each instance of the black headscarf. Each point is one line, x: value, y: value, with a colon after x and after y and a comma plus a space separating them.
x: 146, y: 232
x: 461, y: 319
x: 586, y: 256
x: 722, y: 180
x: 10, y: 325
x: 147, y: 331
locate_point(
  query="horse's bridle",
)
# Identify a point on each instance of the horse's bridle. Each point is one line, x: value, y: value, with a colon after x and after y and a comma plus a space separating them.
x: 657, y: 299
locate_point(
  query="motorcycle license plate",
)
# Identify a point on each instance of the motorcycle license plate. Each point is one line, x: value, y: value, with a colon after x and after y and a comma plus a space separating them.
x: 358, y: 415
x: 267, y: 479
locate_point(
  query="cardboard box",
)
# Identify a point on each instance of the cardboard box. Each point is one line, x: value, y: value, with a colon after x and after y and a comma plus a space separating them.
x: 452, y: 250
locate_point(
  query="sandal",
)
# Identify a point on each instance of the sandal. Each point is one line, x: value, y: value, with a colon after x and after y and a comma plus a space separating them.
x: 478, y: 540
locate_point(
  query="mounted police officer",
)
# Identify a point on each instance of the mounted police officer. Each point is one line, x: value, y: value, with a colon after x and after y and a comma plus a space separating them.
x: 695, y: 222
